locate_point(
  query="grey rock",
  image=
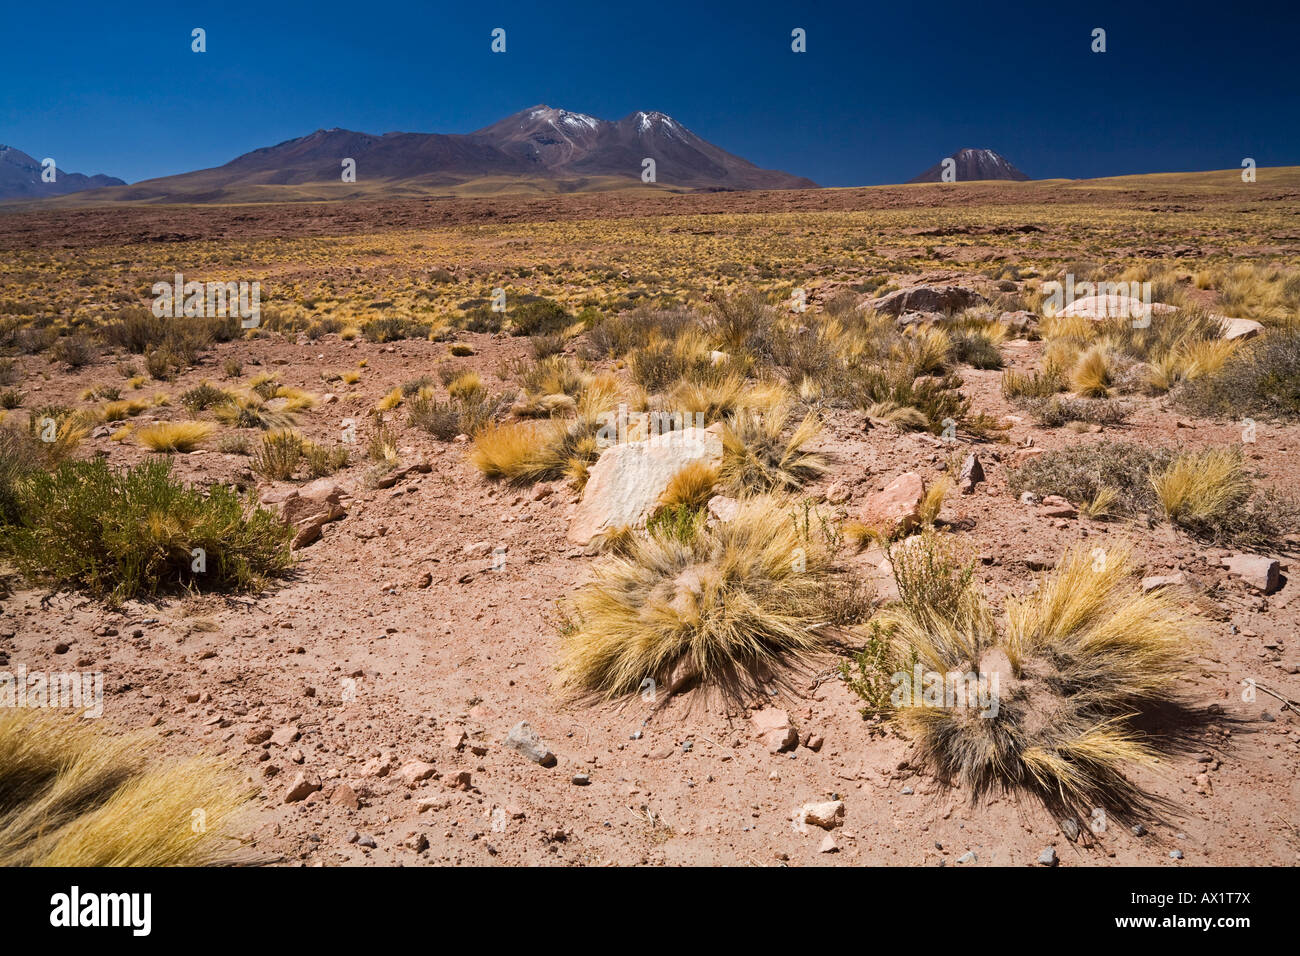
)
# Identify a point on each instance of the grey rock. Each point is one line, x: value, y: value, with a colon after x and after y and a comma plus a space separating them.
x: 523, y: 739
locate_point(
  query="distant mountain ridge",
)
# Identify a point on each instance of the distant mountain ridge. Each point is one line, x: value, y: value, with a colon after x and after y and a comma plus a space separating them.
x: 551, y: 148
x: 972, y: 164
x: 20, y: 178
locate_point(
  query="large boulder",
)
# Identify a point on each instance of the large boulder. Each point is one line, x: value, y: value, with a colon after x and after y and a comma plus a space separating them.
x: 1240, y: 328
x: 1113, y: 305
x: 927, y: 298
x: 626, y: 483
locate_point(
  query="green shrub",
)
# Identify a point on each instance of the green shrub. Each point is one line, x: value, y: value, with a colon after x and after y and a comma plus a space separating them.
x: 538, y: 317
x: 120, y: 534
x: 279, y: 455
x: 1262, y: 378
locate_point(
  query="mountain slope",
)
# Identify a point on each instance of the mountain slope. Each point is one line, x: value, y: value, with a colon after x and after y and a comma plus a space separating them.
x: 973, y: 164
x: 20, y: 178
x: 536, y: 150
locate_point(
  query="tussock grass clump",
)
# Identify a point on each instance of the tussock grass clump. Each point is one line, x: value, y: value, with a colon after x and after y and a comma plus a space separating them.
x: 174, y: 436
x: 252, y: 411
x: 466, y: 414
x: 76, y: 351
x: 759, y: 456
x: 1058, y: 685
x: 203, y: 396
x: 119, y: 534
x: 743, y: 596
x: 691, y: 487
x: 279, y: 454
x: 73, y: 795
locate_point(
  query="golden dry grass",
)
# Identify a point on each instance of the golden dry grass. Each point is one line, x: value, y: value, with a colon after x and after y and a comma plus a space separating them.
x: 759, y: 456
x: 76, y: 796
x: 691, y: 487
x: 1197, y: 487
x: 1075, y: 661
x: 174, y: 436
x: 742, y: 595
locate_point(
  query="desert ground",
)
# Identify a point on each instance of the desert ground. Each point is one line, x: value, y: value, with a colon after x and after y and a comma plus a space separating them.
x: 364, y: 693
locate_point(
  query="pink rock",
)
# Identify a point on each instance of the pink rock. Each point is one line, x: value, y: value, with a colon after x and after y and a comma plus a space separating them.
x: 897, y: 508
x: 415, y: 771
x: 772, y: 727
x: 1261, y: 573
x: 1054, y: 506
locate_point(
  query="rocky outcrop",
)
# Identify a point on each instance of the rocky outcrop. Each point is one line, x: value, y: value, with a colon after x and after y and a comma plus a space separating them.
x: 624, y: 486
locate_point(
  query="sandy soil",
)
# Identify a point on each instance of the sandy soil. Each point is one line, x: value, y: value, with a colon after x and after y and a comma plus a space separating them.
x: 391, y: 644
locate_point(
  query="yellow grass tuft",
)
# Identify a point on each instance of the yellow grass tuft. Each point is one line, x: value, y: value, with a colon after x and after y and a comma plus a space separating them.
x: 77, y: 796
x: 1196, y: 487
x: 746, y: 594
x: 1091, y: 376
x: 1075, y: 662
x: 758, y: 457
x: 691, y: 487
x: 390, y: 401
x: 174, y: 436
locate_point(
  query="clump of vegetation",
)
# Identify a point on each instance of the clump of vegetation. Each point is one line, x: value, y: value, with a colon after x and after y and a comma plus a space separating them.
x: 538, y: 317
x: 174, y: 436
x: 1262, y: 378
x: 759, y: 456
x: 1048, y: 701
x: 279, y: 454
x: 203, y: 396
x: 76, y: 351
x: 121, y: 534
x: 75, y: 795
x: 717, y: 603
x: 393, y: 328
x: 1207, y: 493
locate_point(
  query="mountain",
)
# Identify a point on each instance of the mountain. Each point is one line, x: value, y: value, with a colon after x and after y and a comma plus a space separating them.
x: 973, y: 164
x: 20, y: 178
x: 536, y: 150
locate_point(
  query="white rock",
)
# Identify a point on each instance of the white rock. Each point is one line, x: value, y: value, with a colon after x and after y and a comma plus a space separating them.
x: 626, y: 483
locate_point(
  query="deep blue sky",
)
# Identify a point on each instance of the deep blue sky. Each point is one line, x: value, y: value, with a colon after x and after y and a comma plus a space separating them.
x: 884, y: 91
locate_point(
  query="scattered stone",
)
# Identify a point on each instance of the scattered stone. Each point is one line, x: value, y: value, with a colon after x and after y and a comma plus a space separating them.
x: 1177, y: 579
x: 827, y: 815
x: 927, y: 298
x: 309, y: 508
x: 896, y: 509
x: 1259, y: 572
x: 1048, y: 857
x: 1113, y: 305
x: 284, y: 736
x: 1054, y: 506
x: 460, y: 780
x: 366, y: 840
x: 524, y: 739
x: 1175, y: 854
x: 1070, y: 827
x: 302, y: 785
x: 1240, y: 328
x: 772, y: 727
x: 415, y: 771
x: 722, y: 508
x: 581, y: 780
x: 829, y: 845
x: 345, y: 796
x: 971, y: 474
x: 968, y: 857
x: 1139, y: 830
